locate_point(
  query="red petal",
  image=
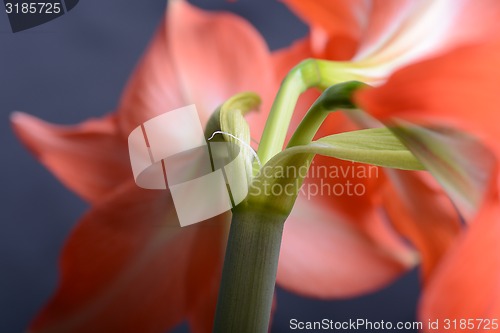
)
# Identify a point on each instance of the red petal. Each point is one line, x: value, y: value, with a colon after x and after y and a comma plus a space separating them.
x: 90, y: 158
x: 325, y: 255
x: 383, y: 35
x: 285, y: 59
x: 197, y: 57
x: 423, y: 214
x: 400, y: 32
x: 154, y: 88
x: 129, y: 267
x: 201, y: 317
x: 459, y: 89
x: 216, y: 56
x: 453, y: 24
x: 382, y: 22
x: 467, y: 286
x: 337, y: 25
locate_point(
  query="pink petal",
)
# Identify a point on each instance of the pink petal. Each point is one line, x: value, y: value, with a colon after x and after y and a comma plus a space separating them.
x: 285, y: 59
x: 325, y: 255
x: 418, y: 29
x: 90, y: 158
x: 384, y: 35
x: 467, y: 286
x: 197, y: 57
x: 129, y: 267
x: 457, y: 90
x: 336, y: 25
x: 154, y: 88
x: 421, y: 212
x: 381, y: 23
x: 216, y: 56
x: 201, y: 317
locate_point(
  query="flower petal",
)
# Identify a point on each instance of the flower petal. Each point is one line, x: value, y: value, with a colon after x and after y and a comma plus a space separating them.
x: 129, y: 267
x: 467, y: 286
x: 336, y: 25
x: 382, y: 22
x: 154, y: 87
x: 216, y: 56
x: 384, y: 35
x: 459, y: 89
x: 197, y: 57
x: 324, y: 255
x: 461, y: 164
x: 285, y: 59
x: 419, y: 29
x: 90, y: 158
x: 421, y: 212
x: 201, y: 317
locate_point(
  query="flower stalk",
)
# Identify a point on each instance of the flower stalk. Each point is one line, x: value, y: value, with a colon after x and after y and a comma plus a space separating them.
x: 249, y: 275
x: 308, y: 74
x: 335, y: 97
x: 251, y: 262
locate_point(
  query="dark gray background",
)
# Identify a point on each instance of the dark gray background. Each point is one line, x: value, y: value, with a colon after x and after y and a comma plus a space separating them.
x: 71, y: 69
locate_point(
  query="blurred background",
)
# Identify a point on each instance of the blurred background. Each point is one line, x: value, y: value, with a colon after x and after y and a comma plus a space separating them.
x: 73, y: 68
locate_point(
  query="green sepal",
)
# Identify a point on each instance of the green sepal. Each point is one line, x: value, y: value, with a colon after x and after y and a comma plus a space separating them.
x: 229, y: 118
x: 377, y: 146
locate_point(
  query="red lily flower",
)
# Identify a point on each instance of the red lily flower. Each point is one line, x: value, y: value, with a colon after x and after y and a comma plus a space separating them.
x: 462, y: 92
x: 458, y: 90
x: 380, y: 36
x: 127, y: 267
x: 372, y: 39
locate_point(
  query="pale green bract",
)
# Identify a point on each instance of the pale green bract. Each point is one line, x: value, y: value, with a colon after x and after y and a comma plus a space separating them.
x: 228, y: 122
x: 457, y: 160
x: 376, y: 146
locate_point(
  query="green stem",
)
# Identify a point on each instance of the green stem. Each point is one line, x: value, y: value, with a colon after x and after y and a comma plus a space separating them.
x: 339, y: 96
x: 309, y: 73
x: 301, y: 77
x: 249, y: 274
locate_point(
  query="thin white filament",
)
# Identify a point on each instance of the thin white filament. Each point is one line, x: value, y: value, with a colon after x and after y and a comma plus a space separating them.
x: 254, y: 154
